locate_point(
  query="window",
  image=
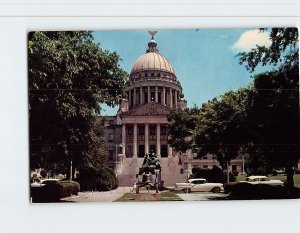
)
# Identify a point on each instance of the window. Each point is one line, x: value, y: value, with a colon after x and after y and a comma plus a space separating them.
x: 129, y: 130
x: 141, y: 130
x: 111, y: 122
x: 159, y: 97
x: 152, y: 74
x: 111, y: 155
x: 146, y: 97
x: 205, y: 166
x: 164, y: 151
x: 152, y: 96
x: 163, y: 130
x: 141, y: 152
x: 110, y: 137
x: 152, y: 130
x: 153, y: 149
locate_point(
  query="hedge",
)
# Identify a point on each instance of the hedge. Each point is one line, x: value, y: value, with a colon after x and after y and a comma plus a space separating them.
x: 246, y: 191
x: 101, y: 180
x: 54, y: 192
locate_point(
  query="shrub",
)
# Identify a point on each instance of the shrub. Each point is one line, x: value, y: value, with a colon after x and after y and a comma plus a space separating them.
x: 53, y: 192
x: 100, y: 180
x: 246, y: 191
x: 69, y: 188
x: 47, y: 193
x: 43, y: 173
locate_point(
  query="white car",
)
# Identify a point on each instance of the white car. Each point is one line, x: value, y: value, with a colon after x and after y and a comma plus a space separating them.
x: 263, y: 180
x: 199, y: 185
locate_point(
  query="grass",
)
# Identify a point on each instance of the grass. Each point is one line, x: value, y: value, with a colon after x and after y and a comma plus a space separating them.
x: 164, y: 196
x: 281, y: 177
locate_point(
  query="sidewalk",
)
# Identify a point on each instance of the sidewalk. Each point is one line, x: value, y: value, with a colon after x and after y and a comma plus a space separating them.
x: 107, y: 196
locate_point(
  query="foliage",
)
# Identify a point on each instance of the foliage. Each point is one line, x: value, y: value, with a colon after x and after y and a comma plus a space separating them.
x: 53, y: 192
x: 102, y: 179
x: 220, y: 128
x: 181, y: 128
x: 274, y: 117
x: 214, y: 175
x: 43, y: 173
x: 69, y: 188
x: 69, y: 76
x: 246, y: 191
x: 283, y: 51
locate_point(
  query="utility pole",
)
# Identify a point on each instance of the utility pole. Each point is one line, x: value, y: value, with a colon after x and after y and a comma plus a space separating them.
x: 71, y: 170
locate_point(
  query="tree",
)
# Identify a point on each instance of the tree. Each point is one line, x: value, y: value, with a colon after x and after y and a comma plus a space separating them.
x: 69, y: 76
x: 216, y: 128
x: 275, y: 103
x: 220, y: 129
x: 181, y: 127
x: 283, y: 51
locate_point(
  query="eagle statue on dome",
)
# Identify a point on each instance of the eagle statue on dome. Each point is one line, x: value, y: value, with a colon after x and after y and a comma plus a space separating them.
x: 152, y: 33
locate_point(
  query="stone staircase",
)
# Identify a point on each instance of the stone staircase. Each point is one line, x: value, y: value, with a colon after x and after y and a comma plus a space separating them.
x: 171, y: 171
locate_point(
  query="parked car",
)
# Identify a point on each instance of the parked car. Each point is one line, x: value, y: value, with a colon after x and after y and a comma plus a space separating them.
x: 199, y: 185
x: 263, y: 180
x: 36, y: 182
x: 50, y: 181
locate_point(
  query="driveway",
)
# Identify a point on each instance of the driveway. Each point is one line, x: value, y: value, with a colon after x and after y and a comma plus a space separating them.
x: 107, y: 196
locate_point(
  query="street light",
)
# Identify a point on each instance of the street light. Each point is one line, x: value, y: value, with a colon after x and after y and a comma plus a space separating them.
x: 116, y: 160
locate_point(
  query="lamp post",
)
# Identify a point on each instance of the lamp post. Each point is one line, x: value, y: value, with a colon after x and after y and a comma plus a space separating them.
x: 116, y: 160
x: 71, y: 169
x: 243, y: 164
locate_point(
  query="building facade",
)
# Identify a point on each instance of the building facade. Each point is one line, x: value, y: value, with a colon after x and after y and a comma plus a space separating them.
x: 140, y: 125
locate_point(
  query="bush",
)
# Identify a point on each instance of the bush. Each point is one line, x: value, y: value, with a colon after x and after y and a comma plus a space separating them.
x: 101, y: 180
x: 69, y: 188
x: 246, y: 191
x: 43, y: 173
x: 53, y: 192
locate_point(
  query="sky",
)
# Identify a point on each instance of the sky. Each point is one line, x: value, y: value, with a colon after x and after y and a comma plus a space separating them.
x: 203, y: 59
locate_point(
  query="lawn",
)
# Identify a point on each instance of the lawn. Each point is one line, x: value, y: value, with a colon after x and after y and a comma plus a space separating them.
x: 165, y: 196
x: 278, y: 177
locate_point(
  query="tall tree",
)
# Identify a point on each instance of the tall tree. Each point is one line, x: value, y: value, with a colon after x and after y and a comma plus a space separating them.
x: 69, y: 75
x: 181, y: 127
x: 283, y: 51
x: 220, y: 129
x: 275, y: 111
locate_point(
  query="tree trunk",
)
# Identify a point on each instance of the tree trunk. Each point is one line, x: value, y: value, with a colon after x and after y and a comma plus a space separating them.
x: 289, y: 177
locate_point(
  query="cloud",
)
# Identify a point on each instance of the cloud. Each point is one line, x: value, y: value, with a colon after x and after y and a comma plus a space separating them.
x: 250, y: 39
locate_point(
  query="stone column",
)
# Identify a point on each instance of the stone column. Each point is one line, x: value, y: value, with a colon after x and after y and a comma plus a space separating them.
x: 146, y: 138
x: 124, y: 138
x: 164, y: 96
x: 149, y: 94
x: 156, y: 94
x: 129, y: 98
x: 176, y: 98
x: 134, y: 96
x: 158, y: 140
x: 170, y: 151
x: 135, y: 140
x: 171, y: 98
x: 141, y: 95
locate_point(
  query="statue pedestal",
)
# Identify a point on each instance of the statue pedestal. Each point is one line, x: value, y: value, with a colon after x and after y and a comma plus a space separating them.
x: 147, y: 197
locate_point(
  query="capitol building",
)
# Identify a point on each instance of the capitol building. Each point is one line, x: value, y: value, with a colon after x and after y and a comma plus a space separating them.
x: 140, y: 125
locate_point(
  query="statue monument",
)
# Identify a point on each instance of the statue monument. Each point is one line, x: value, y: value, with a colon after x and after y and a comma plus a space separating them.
x: 150, y: 173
